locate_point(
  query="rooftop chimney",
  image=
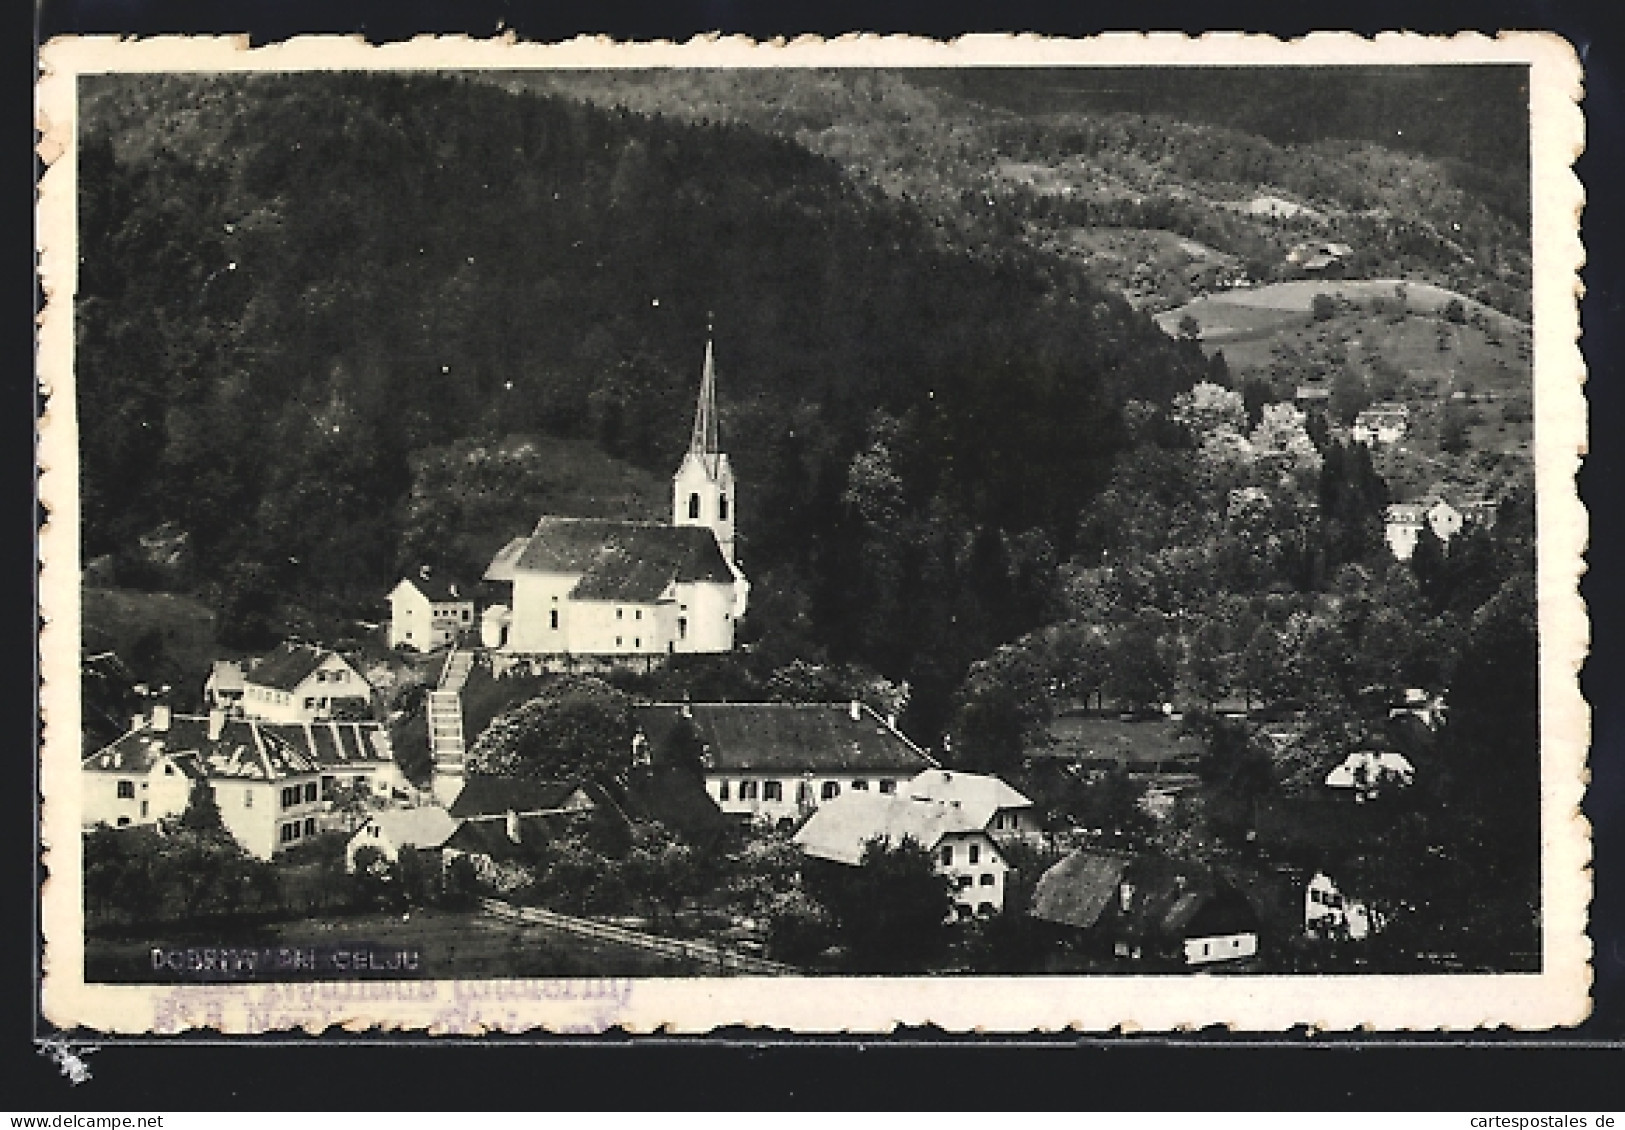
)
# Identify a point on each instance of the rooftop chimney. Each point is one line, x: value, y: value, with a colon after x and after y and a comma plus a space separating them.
x: 423, y: 572
x: 513, y: 825
x: 856, y: 710
x: 217, y: 723
x: 137, y: 721
x: 160, y: 718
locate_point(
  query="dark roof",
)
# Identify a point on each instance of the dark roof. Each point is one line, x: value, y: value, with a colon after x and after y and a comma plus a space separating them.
x: 788, y: 737
x: 491, y: 795
x: 678, y: 800
x: 244, y: 750
x: 1123, y: 742
x: 1170, y: 899
x: 439, y: 587
x: 1078, y: 888
x: 288, y: 666
x: 631, y: 561
x: 488, y: 836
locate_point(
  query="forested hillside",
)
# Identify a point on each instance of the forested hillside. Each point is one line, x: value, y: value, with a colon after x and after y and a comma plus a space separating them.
x: 1071, y: 166
x: 300, y: 295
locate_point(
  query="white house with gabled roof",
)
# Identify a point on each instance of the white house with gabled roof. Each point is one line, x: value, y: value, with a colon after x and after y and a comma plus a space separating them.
x: 963, y: 851
x: 1003, y: 811
x: 302, y: 683
x: 267, y: 787
x: 428, y: 611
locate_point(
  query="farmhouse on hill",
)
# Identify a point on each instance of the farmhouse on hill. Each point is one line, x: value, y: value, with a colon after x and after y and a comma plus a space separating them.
x: 624, y: 590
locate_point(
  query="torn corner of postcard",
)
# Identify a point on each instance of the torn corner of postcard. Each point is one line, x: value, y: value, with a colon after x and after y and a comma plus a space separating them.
x: 1013, y: 534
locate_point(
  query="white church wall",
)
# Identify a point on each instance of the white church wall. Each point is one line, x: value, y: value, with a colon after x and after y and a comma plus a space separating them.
x: 707, y: 610
x: 536, y: 597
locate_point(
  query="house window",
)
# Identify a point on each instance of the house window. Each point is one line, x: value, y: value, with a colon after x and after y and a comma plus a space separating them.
x: 722, y: 507
x: 126, y: 790
x: 986, y: 879
x: 637, y: 614
x: 290, y: 796
x: 617, y: 641
x: 984, y: 908
x: 169, y: 770
x: 637, y: 641
x: 143, y: 810
x: 693, y: 507
x: 888, y: 786
x: 287, y: 832
x: 830, y: 790
x: 553, y: 619
x: 948, y: 855
x: 747, y: 790
x: 620, y: 613
x: 722, y: 791
x: 682, y: 627
x: 975, y: 854
x: 964, y: 881
x: 860, y: 786
x: 310, y: 794
x: 248, y: 798
x: 772, y: 790
x: 310, y: 825
x: 123, y: 821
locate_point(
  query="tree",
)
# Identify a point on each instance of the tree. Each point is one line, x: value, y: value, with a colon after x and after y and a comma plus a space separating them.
x: 891, y: 911
x: 1455, y: 312
x: 1323, y: 307
x: 578, y: 727
x: 202, y: 814
x: 660, y: 870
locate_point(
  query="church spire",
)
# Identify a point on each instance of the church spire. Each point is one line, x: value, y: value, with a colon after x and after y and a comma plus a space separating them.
x: 704, y: 441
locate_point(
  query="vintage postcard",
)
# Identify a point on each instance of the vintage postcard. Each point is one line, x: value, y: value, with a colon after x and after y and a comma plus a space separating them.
x: 1012, y: 534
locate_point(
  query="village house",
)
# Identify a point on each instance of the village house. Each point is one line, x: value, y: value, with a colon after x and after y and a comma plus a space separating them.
x: 302, y: 683
x: 266, y: 784
x: 271, y: 781
x: 1146, y: 909
x: 1381, y: 424
x: 622, y: 590
x: 1327, y: 913
x: 1366, y: 774
x: 428, y: 611
x: 780, y: 760
x: 841, y: 828
x: 223, y: 689
x: 1002, y: 812
x: 1404, y: 522
x: 393, y: 830
x: 135, y: 782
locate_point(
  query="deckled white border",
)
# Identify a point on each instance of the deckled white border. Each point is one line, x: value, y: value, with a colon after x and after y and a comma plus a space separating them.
x: 1558, y: 996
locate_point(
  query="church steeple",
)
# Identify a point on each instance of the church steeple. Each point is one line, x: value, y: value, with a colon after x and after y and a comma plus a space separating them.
x: 704, y: 440
x: 703, y: 488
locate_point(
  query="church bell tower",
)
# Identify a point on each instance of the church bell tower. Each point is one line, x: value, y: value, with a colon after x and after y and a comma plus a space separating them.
x: 703, y: 488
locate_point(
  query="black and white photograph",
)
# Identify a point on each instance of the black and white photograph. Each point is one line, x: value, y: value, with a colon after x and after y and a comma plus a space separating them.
x: 540, y: 534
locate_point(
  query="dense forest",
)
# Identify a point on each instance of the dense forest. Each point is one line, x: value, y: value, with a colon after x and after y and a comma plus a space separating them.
x: 294, y: 291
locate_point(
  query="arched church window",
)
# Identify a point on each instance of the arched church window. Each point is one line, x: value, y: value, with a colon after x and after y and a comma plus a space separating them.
x: 694, y: 507
x: 553, y: 619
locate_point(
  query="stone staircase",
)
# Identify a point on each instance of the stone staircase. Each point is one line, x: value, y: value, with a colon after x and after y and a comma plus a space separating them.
x: 446, y: 710
x: 455, y: 673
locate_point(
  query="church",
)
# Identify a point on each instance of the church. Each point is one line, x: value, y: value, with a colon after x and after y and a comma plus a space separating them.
x: 598, y: 588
